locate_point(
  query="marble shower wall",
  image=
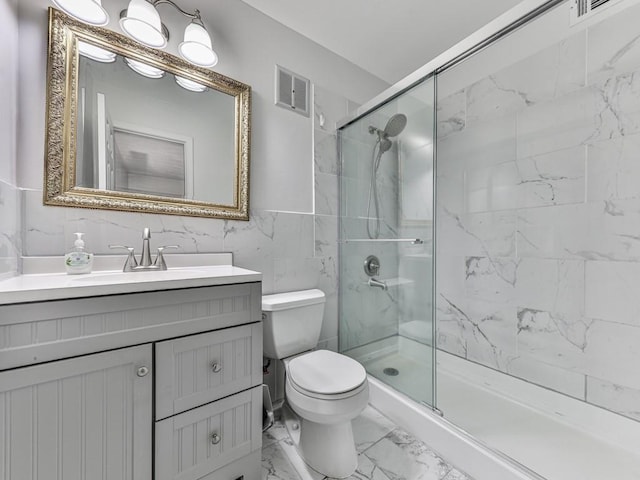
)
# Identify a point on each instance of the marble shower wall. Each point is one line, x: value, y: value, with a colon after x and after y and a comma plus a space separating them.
x: 538, y: 222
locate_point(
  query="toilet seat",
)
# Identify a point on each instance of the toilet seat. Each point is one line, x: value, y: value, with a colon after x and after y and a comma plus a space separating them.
x: 324, y: 374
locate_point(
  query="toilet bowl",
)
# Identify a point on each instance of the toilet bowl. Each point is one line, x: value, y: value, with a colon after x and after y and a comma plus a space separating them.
x: 324, y: 388
x: 327, y: 390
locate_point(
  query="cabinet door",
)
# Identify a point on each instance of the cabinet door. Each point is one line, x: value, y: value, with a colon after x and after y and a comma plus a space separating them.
x: 78, y: 419
x: 199, y: 369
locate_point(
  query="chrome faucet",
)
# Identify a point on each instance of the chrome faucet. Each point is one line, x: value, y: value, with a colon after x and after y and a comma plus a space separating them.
x: 132, y: 265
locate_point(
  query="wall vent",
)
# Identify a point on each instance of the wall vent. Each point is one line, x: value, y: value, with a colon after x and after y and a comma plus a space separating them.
x: 583, y: 9
x: 292, y: 91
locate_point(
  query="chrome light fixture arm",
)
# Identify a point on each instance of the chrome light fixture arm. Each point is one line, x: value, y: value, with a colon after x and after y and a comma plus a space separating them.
x: 195, y: 15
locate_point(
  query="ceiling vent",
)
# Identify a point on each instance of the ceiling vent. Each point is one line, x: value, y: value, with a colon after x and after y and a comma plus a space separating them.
x: 292, y: 91
x: 583, y: 9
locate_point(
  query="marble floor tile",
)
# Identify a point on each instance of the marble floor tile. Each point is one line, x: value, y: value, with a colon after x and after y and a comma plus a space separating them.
x: 385, y: 452
x: 369, y: 427
x: 276, y: 465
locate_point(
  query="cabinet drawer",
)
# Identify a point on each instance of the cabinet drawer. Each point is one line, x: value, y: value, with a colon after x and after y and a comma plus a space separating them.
x: 195, y: 443
x: 194, y: 370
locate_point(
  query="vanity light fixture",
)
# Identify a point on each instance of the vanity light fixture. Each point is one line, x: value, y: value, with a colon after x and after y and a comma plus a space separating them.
x: 144, y: 69
x: 190, y: 84
x: 88, y: 11
x: 141, y: 21
x: 96, y: 53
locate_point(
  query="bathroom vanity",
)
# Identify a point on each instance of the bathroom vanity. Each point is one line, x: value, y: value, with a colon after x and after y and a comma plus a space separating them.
x: 151, y: 375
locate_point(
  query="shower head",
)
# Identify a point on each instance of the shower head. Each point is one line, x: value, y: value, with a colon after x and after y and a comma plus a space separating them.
x: 393, y: 128
x: 395, y: 125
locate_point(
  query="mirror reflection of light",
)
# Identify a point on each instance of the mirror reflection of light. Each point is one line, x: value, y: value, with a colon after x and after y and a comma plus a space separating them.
x: 144, y: 69
x: 190, y: 84
x: 89, y: 11
x: 96, y: 53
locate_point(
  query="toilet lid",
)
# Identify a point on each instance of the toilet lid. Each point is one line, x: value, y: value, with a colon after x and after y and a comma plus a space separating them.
x: 326, y: 372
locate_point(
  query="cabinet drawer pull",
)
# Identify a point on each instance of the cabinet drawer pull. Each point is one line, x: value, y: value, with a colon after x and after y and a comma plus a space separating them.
x: 216, y: 367
x: 215, y: 438
x: 142, y: 371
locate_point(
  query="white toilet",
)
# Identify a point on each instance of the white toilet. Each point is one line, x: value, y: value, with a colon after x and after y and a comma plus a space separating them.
x: 326, y: 389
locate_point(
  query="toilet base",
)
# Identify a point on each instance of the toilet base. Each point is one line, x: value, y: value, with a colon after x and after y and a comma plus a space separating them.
x: 328, y: 449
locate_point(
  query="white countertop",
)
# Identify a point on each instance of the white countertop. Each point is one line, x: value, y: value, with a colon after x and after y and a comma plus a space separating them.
x: 58, y: 286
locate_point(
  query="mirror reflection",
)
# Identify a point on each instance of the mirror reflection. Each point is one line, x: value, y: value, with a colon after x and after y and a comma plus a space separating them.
x: 146, y: 131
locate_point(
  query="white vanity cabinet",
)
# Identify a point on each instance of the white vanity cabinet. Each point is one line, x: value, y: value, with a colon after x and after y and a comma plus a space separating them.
x: 155, y: 385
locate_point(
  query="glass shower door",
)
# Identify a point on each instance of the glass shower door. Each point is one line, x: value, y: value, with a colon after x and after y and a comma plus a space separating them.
x: 386, y: 242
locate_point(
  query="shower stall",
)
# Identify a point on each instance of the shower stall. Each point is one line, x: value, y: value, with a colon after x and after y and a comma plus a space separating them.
x: 489, y: 239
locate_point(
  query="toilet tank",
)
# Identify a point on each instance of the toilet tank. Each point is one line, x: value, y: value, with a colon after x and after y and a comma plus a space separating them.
x: 291, y: 322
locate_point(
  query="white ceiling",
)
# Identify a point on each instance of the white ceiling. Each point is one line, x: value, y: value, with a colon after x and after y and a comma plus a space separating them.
x: 388, y: 38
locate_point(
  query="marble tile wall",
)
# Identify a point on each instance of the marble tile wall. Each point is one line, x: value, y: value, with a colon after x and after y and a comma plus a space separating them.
x: 538, y: 229
x: 10, y: 231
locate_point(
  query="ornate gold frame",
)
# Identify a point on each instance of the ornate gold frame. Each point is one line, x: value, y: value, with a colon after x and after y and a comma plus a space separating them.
x: 60, y: 140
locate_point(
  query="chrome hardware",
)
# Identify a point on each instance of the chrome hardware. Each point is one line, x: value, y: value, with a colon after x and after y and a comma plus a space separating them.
x: 215, y: 438
x: 142, y: 371
x: 159, y: 261
x: 145, y: 258
x: 216, y: 367
x: 377, y: 283
x: 372, y: 266
x: 132, y: 265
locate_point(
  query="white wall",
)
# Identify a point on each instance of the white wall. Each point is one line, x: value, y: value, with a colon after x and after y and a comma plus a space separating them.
x: 9, y: 218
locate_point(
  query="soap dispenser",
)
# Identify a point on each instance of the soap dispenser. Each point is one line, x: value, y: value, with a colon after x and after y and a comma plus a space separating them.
x: 78, y: 260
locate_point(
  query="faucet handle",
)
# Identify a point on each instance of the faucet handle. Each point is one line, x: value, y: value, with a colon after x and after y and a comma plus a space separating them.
x: 159, y: 261
x: 146, y: 233
x: 131, y: 261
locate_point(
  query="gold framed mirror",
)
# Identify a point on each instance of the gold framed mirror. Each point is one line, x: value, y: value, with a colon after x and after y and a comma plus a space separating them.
x: 132, y: 128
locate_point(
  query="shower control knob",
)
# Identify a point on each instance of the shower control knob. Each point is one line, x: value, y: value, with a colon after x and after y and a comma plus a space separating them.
x: 372, y: 266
